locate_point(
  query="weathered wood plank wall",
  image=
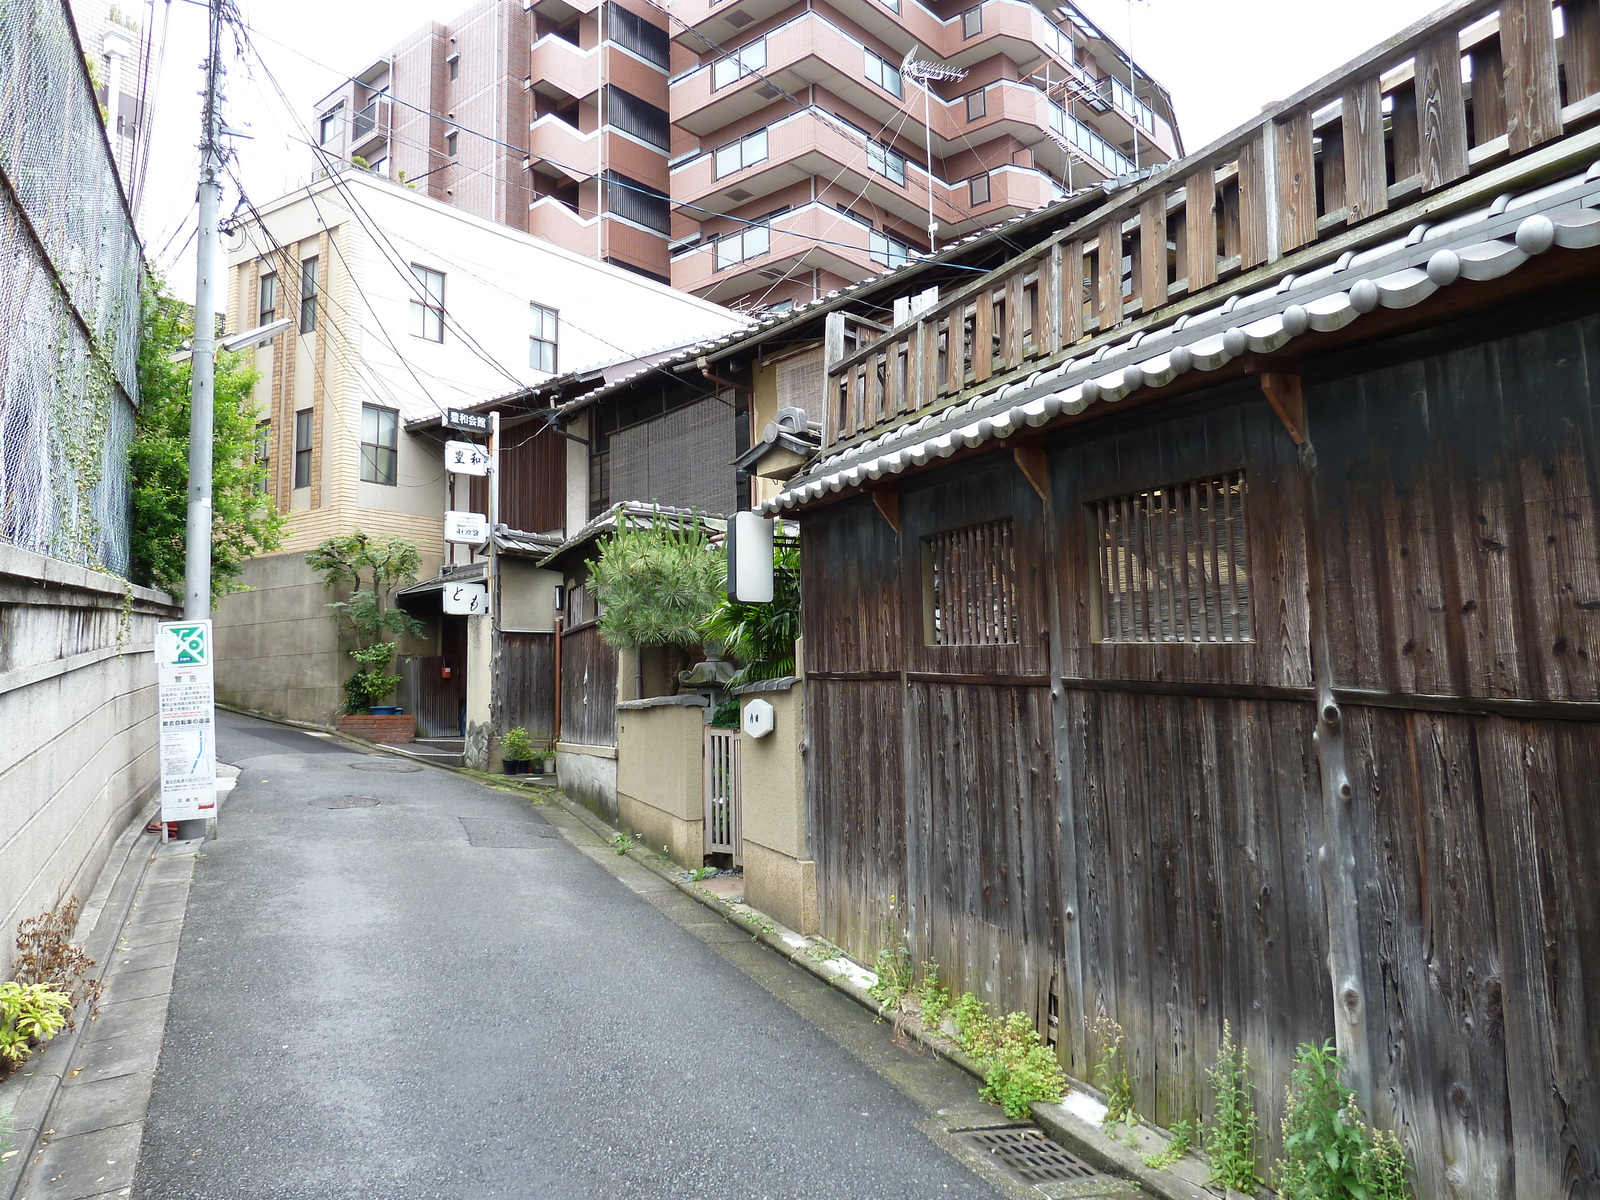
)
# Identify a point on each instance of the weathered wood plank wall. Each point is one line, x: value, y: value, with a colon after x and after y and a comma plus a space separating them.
x: 1166, y: 868
x: 527, y: 682
x: 588, y: 688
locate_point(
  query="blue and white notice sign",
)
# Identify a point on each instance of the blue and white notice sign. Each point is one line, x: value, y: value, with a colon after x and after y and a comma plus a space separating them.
x: 188, y: 721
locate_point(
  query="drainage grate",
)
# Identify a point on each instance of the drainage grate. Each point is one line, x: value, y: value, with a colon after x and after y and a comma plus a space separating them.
x: 345, y: 802
x: 1025, y: 1152
x: 393, y: 768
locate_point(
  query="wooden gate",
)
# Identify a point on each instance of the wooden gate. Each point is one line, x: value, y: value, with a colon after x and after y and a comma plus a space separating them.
x: 722, y: 794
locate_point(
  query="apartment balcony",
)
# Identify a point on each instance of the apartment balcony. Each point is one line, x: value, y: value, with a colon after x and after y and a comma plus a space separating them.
x: 574, y: 153
x: 563, y: 71
x: 808, y: 144
x: 813, y: 236
x: 370, y: 126
x: 560, y: 11
x: 554, y: 221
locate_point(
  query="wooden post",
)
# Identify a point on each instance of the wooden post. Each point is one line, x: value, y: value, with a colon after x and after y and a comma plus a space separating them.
x: 1336, y: 859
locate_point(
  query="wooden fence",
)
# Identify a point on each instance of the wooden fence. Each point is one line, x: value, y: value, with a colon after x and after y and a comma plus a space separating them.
x: 1396, y: 125
x: 723, y: 815
x: 588, y: 687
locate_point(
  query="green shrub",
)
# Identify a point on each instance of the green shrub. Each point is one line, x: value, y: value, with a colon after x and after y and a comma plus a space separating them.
x: 1020, y: 1071
x: 1329, y: 1151
x: 658, y: 579
x: 517, y: 745
x: 30, y: 1013
x: 933, y: 998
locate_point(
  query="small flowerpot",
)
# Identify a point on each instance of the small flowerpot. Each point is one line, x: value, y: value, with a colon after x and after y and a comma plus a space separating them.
x: 385, y: 710
x: 513, y: 766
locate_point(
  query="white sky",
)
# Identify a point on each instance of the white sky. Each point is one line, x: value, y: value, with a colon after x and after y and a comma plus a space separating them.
x: 1222, y: 61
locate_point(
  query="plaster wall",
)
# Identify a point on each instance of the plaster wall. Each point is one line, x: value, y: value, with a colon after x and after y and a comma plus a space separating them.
x: 780, y: 878
x: 480, y: 692
x: 79, y: 757
x: 660, y: 780
x: 589, y: 776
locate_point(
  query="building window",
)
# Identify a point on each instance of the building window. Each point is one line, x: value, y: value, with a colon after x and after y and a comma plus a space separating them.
x: 427, y: 305
x: 643, y: 120
x: 632, y: 31
x: 977, y: 105
x: 450, y: 142
x: 884, y: 74
x: 972, y: 22
x: 453, y: 65
x: 380, y: 166
x: 302, y: 448
x: 331, y: 127
x: 542, y: 343
x: 892, y: 5
x: 886, y: 162
x: 736, y: 64
x: 380, y: 431
x: 969, y: 586
x: 308, y: 295
x: 746, y: 152
x: 1174, y: 563
x: 267, y: 299
x: 750, y: 242
x: 978, y: 190
x: 887, y: 250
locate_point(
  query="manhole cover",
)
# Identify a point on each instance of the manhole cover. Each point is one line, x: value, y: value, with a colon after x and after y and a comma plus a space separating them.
x: 1026, y: 1153
x: 345, y: 802
x: 393, y: 768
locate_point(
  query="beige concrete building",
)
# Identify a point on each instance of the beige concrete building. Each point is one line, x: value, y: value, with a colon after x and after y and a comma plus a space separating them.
x: 387, y: 307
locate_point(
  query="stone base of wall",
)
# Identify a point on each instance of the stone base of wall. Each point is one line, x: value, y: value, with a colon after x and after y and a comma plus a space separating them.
x: 782, y: 887
x: 385, y: 730
x: 656, y: 829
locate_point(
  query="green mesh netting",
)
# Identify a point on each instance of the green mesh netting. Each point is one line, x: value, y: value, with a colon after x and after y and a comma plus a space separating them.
x: 69, y: 301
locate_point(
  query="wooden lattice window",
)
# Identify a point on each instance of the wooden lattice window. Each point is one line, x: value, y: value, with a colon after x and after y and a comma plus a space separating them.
x: 969, y: 593
x: 1174, y: 563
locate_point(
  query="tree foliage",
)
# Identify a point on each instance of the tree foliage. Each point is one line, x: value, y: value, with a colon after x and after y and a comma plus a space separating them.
x: 657, y: 578
x: 245, y: 522
x: 761, y: 637
x: 372, y: 568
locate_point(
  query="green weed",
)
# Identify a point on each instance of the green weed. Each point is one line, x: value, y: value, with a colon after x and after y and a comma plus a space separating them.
x: 1329, y: 1151
x: 1184, y: 1134
x: 1231, y: 1139
x: 622, y: 843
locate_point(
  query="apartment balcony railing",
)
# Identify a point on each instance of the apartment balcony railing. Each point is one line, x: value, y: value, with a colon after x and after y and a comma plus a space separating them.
x: 1397, y: 126
x: 557, y: 67
x: 370, y: 125
x: 574, y: 153
x: 556, y: 222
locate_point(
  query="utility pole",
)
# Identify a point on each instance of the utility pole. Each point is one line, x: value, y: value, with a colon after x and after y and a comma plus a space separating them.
x: 202, y: 364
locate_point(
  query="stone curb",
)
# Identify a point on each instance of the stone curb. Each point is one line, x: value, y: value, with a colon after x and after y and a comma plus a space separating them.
x: 32, y: 1092
x: 1083, y: 1137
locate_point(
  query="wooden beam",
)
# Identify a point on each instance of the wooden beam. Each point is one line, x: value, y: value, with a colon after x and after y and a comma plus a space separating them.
x: 888, y: 505
x: 1283, y: 393
x: 1033, y: 463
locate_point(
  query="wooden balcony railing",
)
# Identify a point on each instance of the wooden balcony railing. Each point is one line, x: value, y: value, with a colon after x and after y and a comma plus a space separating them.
x: 1447, y: 99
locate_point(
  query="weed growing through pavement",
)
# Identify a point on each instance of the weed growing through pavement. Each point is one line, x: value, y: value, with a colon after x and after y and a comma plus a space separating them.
x: 1231, y: 1139
x: 933, y: 998
x: 821, y: 950
x: 47, y: 954
x: 1184, y: 1135
x: 894, y: 959
x: 622, y: 843
x: 1112, y: 1076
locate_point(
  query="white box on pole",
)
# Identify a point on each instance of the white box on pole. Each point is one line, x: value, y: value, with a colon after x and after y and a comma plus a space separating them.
x: 466, y: 458
x: 185, y: 685
x: 466, y: 528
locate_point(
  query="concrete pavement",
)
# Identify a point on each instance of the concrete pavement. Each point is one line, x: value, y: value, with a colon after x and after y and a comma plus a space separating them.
x: 447, y: 993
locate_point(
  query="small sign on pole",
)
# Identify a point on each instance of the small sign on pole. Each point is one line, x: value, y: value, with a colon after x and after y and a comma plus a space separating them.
x: 466, y: 458
x: 466, y: 528
x: 466, y: 422
x: 186, y: 688
x: 466, y: 599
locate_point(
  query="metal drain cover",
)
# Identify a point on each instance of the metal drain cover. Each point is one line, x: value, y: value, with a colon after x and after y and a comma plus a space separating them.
x: 1025, y: 1152
x: 345, y: 802
x: 393, y: 768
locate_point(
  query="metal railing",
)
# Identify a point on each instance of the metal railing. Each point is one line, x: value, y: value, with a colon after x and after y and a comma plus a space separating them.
x: 1449, y: 98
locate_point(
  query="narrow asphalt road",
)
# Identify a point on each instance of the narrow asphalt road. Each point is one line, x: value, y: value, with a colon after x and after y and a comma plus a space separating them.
x: 455, y: 993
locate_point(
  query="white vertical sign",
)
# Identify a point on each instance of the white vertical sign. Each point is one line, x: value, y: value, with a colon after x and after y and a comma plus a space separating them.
x: 188, y: 721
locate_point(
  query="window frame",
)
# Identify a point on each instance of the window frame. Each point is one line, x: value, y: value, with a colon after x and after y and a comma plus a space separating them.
x: 735, y: 65
x: 885, y: 248
x: 881, y: 157
x: 427, y: 308
x: 304, y: 443
x: 266, y: 314
x: 545, y: 319
x: 371, y: 470
x: 981, y: 95
x: 991, y: 547
x: 742, y: 146
x: 973, y: 200
x: 451, y: 143
x: 453, y: 66
x: 334, y: 115
x: 750, y: 242
x: 310, y: 286
x: 971, y: 22
x: 878, y: 69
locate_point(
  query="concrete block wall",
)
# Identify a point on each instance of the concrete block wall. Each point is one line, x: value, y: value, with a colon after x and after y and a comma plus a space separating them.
x: 78, y: 734
x: 277, y: 645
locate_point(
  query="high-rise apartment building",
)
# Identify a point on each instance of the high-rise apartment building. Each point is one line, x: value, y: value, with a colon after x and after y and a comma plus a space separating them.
x: 114, y: 46
x: 755, y: 152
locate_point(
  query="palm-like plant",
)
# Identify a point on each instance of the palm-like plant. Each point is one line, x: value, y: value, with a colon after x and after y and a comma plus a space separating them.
x: 761, y: 637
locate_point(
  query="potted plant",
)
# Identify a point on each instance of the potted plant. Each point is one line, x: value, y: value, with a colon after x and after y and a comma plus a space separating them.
x: 516, y: 751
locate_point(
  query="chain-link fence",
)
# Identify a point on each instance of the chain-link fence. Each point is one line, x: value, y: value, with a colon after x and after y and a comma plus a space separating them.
x: 69, y: 301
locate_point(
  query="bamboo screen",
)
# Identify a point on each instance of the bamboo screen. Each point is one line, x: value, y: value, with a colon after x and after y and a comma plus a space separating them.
x: 970, y: 586
x: 1174, y: 563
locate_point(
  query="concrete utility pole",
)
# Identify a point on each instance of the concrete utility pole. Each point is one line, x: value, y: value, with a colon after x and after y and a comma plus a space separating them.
x: 202, y: 366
